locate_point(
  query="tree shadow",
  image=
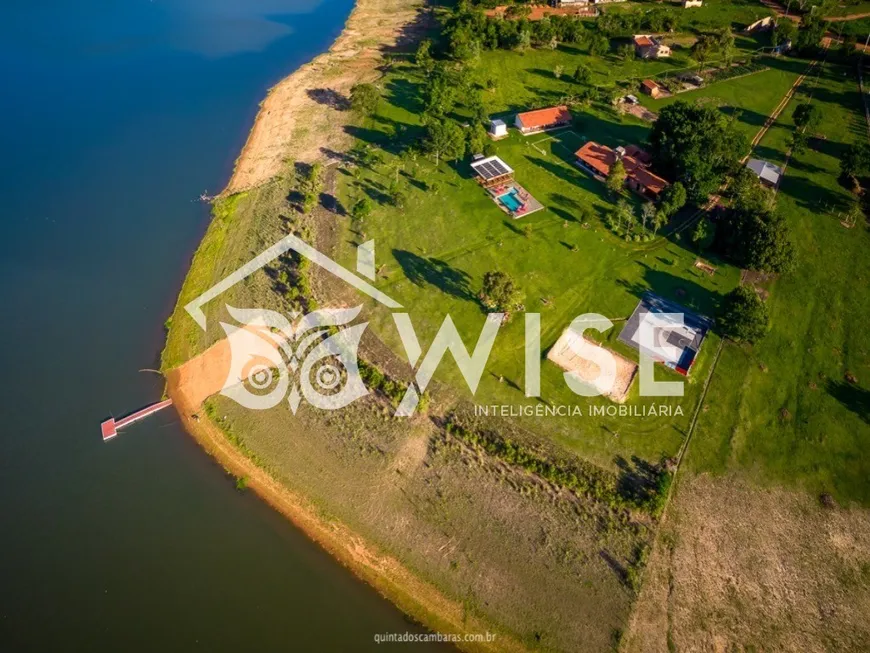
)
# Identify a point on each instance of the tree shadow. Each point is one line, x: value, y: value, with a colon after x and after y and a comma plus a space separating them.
x: 421, y: 271
x: 683, y: 291
x: 330, y: 98
x: 853, y: 397
x: 331, y: 203
x: 638, y: 479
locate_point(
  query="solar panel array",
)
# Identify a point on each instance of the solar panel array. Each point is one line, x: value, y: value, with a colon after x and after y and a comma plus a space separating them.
x: 491, y: 169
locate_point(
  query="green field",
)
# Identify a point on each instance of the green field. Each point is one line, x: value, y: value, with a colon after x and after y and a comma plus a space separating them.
x: 783, y: 409
x: 565, y: 268
x: 750, y: 98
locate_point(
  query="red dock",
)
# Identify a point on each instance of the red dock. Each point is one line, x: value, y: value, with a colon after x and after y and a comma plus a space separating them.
x: 109, y: 428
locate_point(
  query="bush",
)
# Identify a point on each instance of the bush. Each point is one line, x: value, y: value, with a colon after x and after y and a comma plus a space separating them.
x: 744, y: 316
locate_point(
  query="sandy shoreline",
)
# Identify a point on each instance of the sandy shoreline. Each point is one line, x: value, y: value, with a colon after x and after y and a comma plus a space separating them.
x: 295, y: 123
x: 303, y: 116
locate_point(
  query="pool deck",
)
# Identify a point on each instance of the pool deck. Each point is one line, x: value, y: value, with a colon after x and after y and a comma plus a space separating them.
x: 530, y: 204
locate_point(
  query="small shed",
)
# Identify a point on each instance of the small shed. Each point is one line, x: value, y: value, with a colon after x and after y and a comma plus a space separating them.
x: 652, y: 89
x: 497, y: 128
x: 768, y: 174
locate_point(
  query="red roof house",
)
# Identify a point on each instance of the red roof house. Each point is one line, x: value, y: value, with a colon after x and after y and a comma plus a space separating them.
x: 532, y: 122
x: 598, y: 159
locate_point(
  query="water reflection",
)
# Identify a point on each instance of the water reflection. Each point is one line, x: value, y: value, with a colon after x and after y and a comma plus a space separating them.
x: 210, y: 28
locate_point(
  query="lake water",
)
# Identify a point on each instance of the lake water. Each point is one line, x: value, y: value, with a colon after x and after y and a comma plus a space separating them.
x: 116, y: 115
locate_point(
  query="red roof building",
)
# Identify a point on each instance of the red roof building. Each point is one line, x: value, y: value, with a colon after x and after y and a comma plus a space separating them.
x: 532, y: 122
x: 598, y: 159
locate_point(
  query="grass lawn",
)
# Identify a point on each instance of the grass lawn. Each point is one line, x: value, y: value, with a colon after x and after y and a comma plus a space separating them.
x: 782, y: 411
x: 435, y: 250
x: 736, y: 14
x: 529, y: 78
x: 751, y: 98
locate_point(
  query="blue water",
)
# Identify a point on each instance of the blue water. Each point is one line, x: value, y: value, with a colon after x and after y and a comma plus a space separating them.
x: 510, y: 200
x: 116, y: 115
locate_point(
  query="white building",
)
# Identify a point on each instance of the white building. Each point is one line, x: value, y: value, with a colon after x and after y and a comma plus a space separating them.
x: 692, y: 3
x: 497, y: 128
x: 767, y: 173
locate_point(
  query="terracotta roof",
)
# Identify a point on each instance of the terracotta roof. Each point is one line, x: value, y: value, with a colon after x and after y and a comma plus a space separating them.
x: 645, y: 178
x: 643, y: 41
x: 641, y: 155
x: 544, y: 117
x: 600, y: 157
x: 650, y: 84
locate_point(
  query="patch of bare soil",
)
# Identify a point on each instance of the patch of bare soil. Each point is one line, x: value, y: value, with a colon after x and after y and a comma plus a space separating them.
x: 304, y: 116
x: 739, y: 567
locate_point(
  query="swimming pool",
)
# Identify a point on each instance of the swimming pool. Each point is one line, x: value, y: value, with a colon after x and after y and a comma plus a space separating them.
x: 510, y: 200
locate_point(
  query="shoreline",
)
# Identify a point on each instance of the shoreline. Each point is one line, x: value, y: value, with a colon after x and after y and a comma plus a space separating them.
x: 416, y: 598
x: 303, y: 116
x: 274, y: 140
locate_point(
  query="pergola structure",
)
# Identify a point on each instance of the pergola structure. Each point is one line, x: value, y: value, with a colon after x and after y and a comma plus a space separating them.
x: 492, y: 171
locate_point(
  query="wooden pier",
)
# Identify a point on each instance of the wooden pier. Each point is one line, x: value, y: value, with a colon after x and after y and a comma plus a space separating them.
x: 109, y: 428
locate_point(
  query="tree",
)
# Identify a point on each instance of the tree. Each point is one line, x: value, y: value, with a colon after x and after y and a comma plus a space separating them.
x: 361, y: 210
x: 598, y: 44
x: 673, y: 199
x: 623, y: 215
x: 702, y: 232
x: 853, y: 213
x: 616, y: 177
x: 659, y: 221
x: 558, y: 70
x: 702, y: 50
x: 477, y: 139
x: 647, y: 214
x: 364, y: 98
x: 499, y: 293
x: 855, y: 161
x: 744, y: 316
x: 695, y: 145
x: 807, y: 116
x: 785, y: 31
x: 810, y: 34
x: 626, y: 52
x: 725, y: 44
x: 423, y: 57
x: 583, y: 74
x: 445, y: 140
x: 752, y: 232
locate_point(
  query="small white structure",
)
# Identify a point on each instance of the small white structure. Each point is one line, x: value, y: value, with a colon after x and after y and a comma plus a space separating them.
x: 692, y: 3
x: 632, y: 99
x: 767, y: 173
x: 497, y: 128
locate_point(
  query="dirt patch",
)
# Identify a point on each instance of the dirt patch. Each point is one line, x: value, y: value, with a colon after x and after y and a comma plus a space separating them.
x: 739, y: 567
x: 304, y: 116
x: 564, y: 354
x: 639, y: 111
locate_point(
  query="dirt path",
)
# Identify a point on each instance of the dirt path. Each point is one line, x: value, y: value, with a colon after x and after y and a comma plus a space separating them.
x: 303, y: 118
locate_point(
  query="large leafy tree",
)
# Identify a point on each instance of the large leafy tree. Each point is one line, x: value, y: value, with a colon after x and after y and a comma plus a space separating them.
x: 807, y: 116
x: 753, y: 233
x: 855, y: 161
x: 696, y: 146
x: 364, y: 98
x: 744, y: 316
x: 500, y: 292
x: 445, y: 140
